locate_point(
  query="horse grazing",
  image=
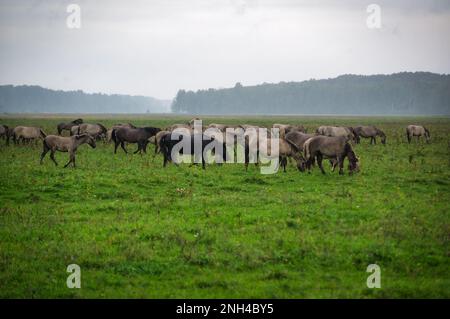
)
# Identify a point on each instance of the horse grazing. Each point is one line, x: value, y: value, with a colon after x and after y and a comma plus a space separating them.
x: 27, y: 133
x: 298, y: 138
x: 286, y: 149
x: 67, y: 126
x: 335, y: 148
x: 70, y: 144
x: 369, y: 132
x: 139, y: 135
x: 167, y: 144
x: 336, y: 131
x: 417, y: 130
x: 97, y: 131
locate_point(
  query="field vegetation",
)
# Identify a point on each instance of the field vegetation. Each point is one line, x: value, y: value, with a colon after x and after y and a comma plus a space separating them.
x: 140, y: 231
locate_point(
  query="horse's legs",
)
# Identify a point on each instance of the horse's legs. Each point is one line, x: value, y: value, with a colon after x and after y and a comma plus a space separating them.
x: 283, y: 161
x: 52, y: 157
x: 144, y: 147
x: 165, y: 159
x: 71, y: 159
x: 116, y: 145
x: 319, y: 162
x: 375, y: 140
x: 333, y: 163
x: 44, y: 152
x: 122, y: 145
x: 138, y: 149
x: 340, y: 162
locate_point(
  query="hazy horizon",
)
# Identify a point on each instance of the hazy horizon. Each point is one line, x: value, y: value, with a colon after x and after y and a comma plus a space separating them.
x: 156, y: 48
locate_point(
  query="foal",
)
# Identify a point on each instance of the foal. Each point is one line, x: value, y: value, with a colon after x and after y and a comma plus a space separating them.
x: 70, y: 144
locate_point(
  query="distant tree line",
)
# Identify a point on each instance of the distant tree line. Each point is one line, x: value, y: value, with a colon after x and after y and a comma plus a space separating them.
x: 35, y: 99
x: 400, y: 93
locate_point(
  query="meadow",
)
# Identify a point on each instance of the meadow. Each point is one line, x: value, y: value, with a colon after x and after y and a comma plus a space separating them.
x: 140, y: 231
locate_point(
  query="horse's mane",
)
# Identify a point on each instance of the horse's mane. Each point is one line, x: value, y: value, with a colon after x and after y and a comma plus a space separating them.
x: 102, y: 127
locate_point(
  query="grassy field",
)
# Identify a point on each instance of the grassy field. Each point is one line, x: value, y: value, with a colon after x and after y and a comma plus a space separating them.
x: 140, y: 231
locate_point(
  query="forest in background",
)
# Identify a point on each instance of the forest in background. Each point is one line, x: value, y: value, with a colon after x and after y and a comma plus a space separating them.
x: 36, y: 99
x: 419, y: 93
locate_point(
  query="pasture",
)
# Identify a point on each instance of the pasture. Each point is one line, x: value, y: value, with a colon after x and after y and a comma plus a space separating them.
x: 140, y: 231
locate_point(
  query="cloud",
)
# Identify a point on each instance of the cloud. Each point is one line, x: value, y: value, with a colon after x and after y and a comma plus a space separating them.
x: 157, y: 47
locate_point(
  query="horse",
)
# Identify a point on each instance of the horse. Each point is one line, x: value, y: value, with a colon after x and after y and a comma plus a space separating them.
x: 97, y: 131
x: 369, y: 132
x: 168, y: 143
x: 336, y: 148
x: 417, y: 130
x: 336, y: 131
x: 139, y: 135
x: 70, y: 144
x: 27, y: 133
x: 67, y: 126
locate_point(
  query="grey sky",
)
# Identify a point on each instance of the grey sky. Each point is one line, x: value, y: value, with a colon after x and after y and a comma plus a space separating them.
x: 156, y: 47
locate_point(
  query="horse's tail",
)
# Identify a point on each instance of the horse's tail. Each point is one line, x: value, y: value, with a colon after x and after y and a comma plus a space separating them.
x: 306, y: 149
x: 41, y: 132
x: 59, y: 128
x: 45, y: 144
x: 427, y: 132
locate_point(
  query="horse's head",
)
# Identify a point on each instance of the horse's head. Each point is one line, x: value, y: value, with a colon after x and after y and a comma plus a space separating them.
x: 88, y: 139
x: 301, y: 162
x: 353, y: 165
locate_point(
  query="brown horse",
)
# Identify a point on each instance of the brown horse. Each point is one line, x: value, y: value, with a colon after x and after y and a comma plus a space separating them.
x: 336, y: 148
x: 67, y: 126
x: 139, y: 135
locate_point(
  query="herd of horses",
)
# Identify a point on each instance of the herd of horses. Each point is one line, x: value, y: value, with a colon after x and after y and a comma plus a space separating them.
x: 294, y: 142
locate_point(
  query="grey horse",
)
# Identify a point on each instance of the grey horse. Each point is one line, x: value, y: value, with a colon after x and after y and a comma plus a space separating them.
x: 336, y: 148
x: 70, y: 144
x: 417, y: 130
x: 369, y: 132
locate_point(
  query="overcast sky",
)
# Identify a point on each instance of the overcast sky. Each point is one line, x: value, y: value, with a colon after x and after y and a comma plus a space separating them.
x: 156, y: 47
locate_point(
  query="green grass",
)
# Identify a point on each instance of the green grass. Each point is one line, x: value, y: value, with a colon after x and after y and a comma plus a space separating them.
x: 140, y: 231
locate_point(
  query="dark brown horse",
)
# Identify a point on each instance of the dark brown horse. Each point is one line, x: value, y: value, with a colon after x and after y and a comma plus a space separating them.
x: 139, y: 135
x: 168, y: 142
x: 67, y: 126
